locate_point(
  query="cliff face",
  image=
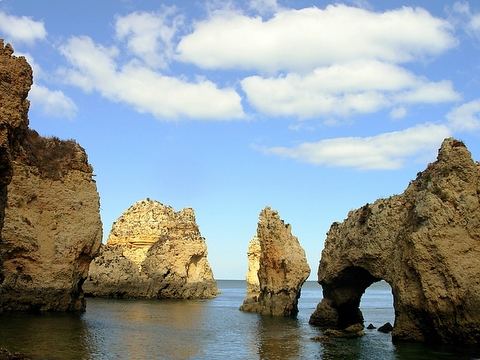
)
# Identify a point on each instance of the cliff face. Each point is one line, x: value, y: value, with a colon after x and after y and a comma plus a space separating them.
x: 153, y: 252
x: 424, y: 243
x: 51, y: 225
x: 15, y: 82
x: 282, y: 268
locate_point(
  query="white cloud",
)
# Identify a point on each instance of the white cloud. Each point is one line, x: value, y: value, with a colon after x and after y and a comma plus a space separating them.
x: 52, y: 102
x: 342, y: 90
x: 93, y: 68
x: 264, y: 6
x: 430, y: 93
x: 398, y: 113
x: 465, y: 117
x: 301, y: 40
x: 384, y: 151
x: 462, y: 15
x: 21, y: 28
x: 150, y: 35
x: 474, y: 24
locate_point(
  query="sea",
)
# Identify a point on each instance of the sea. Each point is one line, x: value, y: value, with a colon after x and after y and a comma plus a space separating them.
x: 206, y: 329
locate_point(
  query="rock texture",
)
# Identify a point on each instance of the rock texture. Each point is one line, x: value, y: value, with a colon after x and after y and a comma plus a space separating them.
x: 15, y: 82
x: 281, y: 268
x: 153, y: 252
x: 51, y: 228
x: 425, y: 243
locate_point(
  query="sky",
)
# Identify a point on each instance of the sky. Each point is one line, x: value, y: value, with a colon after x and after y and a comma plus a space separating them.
x: 312, y: 108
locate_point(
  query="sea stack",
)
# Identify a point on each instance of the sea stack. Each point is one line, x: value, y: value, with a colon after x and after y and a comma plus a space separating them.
x: 279, y: 263
x: 424, y: 243
x: 153, y: 252
x: 51, y: 223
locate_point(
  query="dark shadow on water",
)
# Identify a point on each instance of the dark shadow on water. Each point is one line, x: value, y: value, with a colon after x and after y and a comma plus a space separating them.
x: 48, y: 336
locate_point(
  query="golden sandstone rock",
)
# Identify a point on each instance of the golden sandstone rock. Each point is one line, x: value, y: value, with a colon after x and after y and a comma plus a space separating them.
x: 153, y: 252
x: 425, y: 243
x: 51, y: 225
x: 282, y: 268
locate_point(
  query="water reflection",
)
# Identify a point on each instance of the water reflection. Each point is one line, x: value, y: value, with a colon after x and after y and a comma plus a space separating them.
x: 278, y: 338
x: 37, y: 335
x: 145, y: 329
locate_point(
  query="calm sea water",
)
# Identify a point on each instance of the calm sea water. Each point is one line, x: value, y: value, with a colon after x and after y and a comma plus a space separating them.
x: 204, y: 329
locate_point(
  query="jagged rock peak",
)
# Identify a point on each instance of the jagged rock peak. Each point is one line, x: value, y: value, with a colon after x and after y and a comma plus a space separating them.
x: 424, y: 243
x: 282, y: 268
x: 143, y: 223
x: 153, y: 252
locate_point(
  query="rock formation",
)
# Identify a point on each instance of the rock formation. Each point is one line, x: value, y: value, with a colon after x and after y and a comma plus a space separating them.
x: 280, y: 265
x: 15, y: 82
x: 153, y: 252
x: 253, y: 283
x: 51, y: 228
x: 425, y: 243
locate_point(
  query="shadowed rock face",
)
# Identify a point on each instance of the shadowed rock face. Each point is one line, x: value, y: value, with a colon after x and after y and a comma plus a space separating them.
x: 281, y: 268
x: 424, y: 243
x: 15, y: 82
x: 153, y: 252
x: 51, y: 223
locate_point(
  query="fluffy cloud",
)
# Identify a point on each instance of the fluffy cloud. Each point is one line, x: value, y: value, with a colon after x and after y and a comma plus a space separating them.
x: 301, y: 40
x: 385, y: 151
x: 52, y: 102
x: 150, y: 35
x: 21, y: 28
x: 93, y: 68
x: 465, y: 117
x: 342, y: 90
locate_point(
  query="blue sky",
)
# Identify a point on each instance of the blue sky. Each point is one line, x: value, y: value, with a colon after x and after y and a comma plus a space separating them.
x: 310, y: 107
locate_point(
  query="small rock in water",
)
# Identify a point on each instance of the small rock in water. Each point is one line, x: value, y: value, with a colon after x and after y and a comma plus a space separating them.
x: 386, y: 328
x: 371, y: 327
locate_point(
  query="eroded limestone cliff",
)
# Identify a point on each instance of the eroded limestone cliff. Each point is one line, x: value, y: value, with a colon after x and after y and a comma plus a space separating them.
x: 15, y: 82
x: 281, y: 265
x: 425, y: 243
x: 51, y: 225
x: 153, y: 252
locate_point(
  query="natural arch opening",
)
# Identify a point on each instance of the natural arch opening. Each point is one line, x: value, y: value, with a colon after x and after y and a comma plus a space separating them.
x: 342, y: 297
x: 346, y: 292
x: 376, y: 304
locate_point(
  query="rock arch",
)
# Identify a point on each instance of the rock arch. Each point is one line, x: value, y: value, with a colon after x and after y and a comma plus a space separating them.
x: 425, y: 243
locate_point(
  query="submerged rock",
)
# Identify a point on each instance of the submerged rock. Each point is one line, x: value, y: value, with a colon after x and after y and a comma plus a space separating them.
x: 153, y: 252
x: 281, y: 265
x: 424, y: 243
x: 52, y: 226
x: 386, y: 328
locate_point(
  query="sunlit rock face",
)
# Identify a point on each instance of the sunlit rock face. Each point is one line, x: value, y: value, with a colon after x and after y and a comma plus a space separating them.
x: 153, y: 252
x: 50, y: 207
x: 277, y: 268
x: 425, y: 243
